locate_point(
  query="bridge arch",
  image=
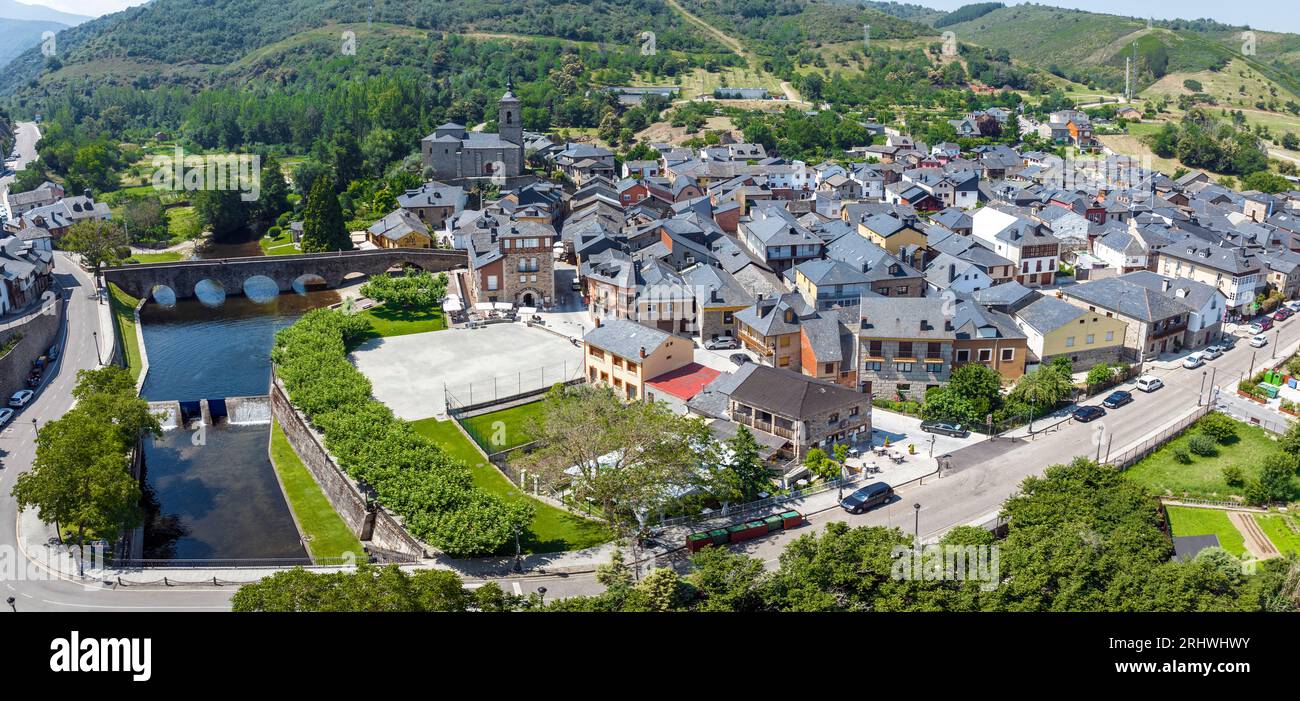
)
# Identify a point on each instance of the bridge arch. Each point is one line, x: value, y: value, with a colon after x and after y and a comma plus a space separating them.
x: 307, y: 282
x: 261, y: 289
x: 210, y: 292
x: 164, y: 295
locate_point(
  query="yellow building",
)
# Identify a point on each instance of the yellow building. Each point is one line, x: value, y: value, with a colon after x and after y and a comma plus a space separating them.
x: 890, y: 233
x: 625, y: 355
x: 1055, y: 328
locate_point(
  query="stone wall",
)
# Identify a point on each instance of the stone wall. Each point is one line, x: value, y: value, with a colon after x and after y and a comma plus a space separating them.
x: 248, y: 410
x: 39, y: 330
x: 379, y: 529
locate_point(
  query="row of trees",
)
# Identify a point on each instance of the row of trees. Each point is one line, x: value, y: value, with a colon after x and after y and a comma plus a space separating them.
x: 974, y: 393
x: 414, y: 290
x: 433, y: 493
x: 1202, y: 141
x: 81, y: 478
x: 1080, y: 538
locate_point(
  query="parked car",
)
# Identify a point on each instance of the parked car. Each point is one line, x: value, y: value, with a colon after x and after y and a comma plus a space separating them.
x: 53, y: 353
x: 867, y: 497
x: 1117, y: 399
x: 1259, y: 340
x: 1282, y: 314
x: 1261, y: 325
x: 1212, y: 352
x: 1293, y: 305
x: 738, y: 358
x: 946, y: 429
x: 20, y: 398
x: 5, y: 415
x: 1084, y: 414
x: 1149, y: 383
x: 721, y: 343
x: 1195, y: 360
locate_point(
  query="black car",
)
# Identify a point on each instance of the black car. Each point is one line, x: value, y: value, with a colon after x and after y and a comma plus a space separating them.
x: 738, y: 358
x: 867, y: 497
x: 947, y: 429
x: 1084, y: 414
x: 1117, y: 399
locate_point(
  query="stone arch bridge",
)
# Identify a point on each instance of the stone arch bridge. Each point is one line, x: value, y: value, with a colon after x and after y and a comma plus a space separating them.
x: 328, y: 269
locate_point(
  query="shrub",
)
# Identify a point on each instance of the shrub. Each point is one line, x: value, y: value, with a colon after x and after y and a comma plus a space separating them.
x: 1202, y: 445
x: 1220, y: 427
x: 1233, y: 475
x: 273, y: 232
x: 1182, y: 456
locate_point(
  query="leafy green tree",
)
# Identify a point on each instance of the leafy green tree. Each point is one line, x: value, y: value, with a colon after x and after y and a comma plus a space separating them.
x: 1276, y: 479
x: 751, y: 472
x: 223, y: 212
x: 99, y: 243
x: 274, y: 197
x: 144, y: 219
x: 626, y: 458
x: 820, y: 464
x: 322, y: 224
x: 369, y: 589
x: 727, y: 581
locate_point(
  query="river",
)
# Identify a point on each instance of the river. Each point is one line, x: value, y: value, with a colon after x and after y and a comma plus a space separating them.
x: 215, y: 495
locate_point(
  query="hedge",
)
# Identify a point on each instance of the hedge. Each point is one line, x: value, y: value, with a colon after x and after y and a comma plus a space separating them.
x: 412, y: 477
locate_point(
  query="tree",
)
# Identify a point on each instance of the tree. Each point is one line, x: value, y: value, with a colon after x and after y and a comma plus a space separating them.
x: 81, y: 476
x: 370, y: 589
x: 626, y: 458
x: 820, y: 464
x: 751, y: 473
x: 222, y: 212
x: 274, y: 197
x: 1276, y: 478
x: 973, y: 393
x: 144, y: 219
x: 322, y: 224
x: 99, y: 243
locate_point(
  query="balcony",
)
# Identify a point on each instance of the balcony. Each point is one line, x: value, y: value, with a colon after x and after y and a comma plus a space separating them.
x: 765, y: 426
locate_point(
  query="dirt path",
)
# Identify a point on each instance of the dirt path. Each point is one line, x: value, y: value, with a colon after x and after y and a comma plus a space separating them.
x: 1256, y: 542
x: 718, y: 34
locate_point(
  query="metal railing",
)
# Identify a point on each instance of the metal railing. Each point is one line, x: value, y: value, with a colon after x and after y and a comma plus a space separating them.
x: 1126, y: 459
x: 733, y: 512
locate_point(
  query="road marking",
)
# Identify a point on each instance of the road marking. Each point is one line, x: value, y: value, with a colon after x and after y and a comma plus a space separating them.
x: 519, y: 591
x: 137, y: 608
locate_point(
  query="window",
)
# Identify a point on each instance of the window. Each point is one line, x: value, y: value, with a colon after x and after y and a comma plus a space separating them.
x: 873, y: 367
x: 1110, y: 335
x: 784, y: 362
x: 1089, y: 340
x: 875, y: 349
x: 728, y: 318
x: 1069, y: 342
x: 903, y: 367
x: 830, y: 368
x: 901, y: 289
x: 986, y: 354
x: 963, y: 356
x: 934, y: 350
x: 934, y: 367
x: 904, y: 349
x: 1008, y: 354
x: 492, y: 282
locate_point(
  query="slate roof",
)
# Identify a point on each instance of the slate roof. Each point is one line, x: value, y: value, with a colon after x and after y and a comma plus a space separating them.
x: 791, y: 394
x: 905, y: 317
x: 1047, y: 314
x: 626, y: 338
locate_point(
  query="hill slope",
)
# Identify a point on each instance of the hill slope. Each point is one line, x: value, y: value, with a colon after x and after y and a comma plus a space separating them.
x: 12, y: 9
x: 21, y: 35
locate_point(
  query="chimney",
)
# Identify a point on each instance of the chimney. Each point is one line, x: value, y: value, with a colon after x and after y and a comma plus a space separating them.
x: 952, y: 272
x: 642, y: 351
x: 597, y: 322
x: 1164, y: 286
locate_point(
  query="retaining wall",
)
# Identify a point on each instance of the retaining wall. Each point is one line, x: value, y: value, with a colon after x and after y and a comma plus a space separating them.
x: 39, y: 332
x: 379, y: 528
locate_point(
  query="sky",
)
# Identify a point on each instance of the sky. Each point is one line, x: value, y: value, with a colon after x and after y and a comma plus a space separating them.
x: 1277, y: 15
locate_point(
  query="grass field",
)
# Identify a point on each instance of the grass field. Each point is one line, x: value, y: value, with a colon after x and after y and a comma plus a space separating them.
x: 123, y: 306
x: 166, y: 257
x: 281, y: 245
x: 552, y: 530
x: 1276, y: 528
x: 1185, y: 521
x: 400, y: 322
x: 183, y: 224
x: 1203, y: 477
x: 327, y: 534
x: 513, y: 425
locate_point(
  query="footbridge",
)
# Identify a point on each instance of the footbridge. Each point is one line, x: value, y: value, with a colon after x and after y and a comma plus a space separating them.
x: 287, y: 272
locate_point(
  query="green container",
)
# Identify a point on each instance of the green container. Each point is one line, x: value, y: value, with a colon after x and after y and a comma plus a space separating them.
x: 1271, y: 390
x: 774, y: 523
x: 789, y: 514
x: 719, y: 536
x: 695, y: 537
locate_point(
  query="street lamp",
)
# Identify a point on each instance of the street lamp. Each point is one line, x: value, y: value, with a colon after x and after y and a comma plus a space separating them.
x: 519, y: 558
x: 932, y: 437
x: 1277, y: 338
x: 541, y: 591
x: 35, y: 430
x: 98, y: 356
x: 10, y: 601
x: 842, y: 475
x: 916, y: 526
x: 1200, y: 392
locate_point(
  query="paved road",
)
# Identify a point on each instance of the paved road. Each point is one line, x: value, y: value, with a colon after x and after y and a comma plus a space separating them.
x: 27, y: 134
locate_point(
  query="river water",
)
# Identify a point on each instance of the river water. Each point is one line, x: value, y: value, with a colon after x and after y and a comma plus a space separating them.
x: 215, y: 495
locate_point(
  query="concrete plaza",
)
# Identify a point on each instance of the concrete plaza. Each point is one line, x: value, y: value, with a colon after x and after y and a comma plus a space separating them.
x: 409, y: 373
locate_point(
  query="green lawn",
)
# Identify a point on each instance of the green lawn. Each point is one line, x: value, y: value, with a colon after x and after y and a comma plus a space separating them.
x: 183, y: 224
x: 1186, y: 520
x: 123, y: 306
x: 165, y: 257
x: 513, y: 425
x: 281, y: 245
x: 327, y: 534
x: 1276, y: 528
x: 1203, y: 477
x: 552, y: 530
x: 400, y: 322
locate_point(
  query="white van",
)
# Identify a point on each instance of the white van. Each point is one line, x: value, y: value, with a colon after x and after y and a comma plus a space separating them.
x: 1149, y: 383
